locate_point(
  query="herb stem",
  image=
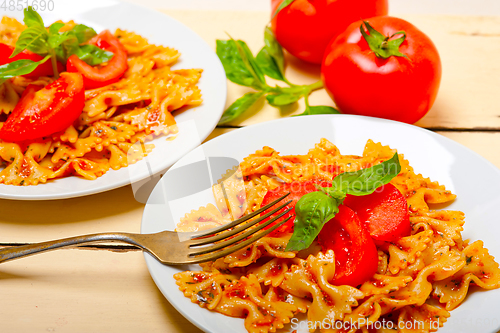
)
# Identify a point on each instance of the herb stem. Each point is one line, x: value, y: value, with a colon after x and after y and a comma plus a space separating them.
x: 306, y: 100
x: 53, y: 60
x: 316, y: 86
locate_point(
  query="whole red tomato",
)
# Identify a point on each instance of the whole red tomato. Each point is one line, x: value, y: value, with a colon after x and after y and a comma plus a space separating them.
x: 305, y: 27
x: 401, y: 87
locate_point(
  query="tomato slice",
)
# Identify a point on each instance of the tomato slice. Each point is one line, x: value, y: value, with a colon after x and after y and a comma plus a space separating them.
x: 44, y: 111
x: 100, y: 76
x: 296, y: 189
x: 356, y: 256
x: 384, y: 213
x: 44, y: 69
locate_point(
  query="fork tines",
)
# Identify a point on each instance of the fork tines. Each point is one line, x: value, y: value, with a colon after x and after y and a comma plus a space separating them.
x: 226, y: 239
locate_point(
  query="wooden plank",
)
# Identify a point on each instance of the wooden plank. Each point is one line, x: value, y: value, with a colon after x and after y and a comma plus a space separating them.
x: 469, y: 47
x: 84, y: 291
x: 36, y: 221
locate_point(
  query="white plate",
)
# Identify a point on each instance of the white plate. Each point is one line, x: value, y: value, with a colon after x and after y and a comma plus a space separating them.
x: 195, y: 124
x: 475, y: 180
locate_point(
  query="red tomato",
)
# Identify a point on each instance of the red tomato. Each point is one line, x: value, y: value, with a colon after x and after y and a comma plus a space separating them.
x: 305, y: 27
x: 95, y: 77
x: 356, y: 256
x: 384, y: 213
x: 296, y: 189
x: 44, y: 69
x: 398, y: 88
x: 41, y: 112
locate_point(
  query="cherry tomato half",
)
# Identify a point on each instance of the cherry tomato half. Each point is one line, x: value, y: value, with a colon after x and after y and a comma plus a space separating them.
x: 100, y: 76
x: 44, y: 111
x: 384, y: 213
x: 401, y: 88
x: 305, y: 27
x: 356, y: 256
x: 44, y: 69
x: 296, y: 189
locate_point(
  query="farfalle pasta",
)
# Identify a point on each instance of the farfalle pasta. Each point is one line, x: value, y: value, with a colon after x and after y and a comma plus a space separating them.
x: 419, y: 280
x: 117, y: 120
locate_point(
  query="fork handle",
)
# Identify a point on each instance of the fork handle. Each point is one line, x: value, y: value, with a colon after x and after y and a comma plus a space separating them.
x: 15, y: 252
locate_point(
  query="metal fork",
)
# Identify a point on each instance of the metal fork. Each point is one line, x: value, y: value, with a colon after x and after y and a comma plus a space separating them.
x: 167, y: 247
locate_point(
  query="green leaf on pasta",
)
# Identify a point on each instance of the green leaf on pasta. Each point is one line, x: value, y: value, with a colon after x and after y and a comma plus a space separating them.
x: 312, y: 211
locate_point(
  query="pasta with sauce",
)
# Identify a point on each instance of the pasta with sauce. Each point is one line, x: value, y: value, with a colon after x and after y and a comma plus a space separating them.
x: 268, y: 286
x: 117, y: 119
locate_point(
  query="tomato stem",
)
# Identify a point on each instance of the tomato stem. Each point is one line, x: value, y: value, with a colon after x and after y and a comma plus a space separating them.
x: 383, y: 46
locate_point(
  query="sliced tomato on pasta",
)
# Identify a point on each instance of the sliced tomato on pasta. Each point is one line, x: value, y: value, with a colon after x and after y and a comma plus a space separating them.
x: 100, y: 76
x: 356, y: 256
x: 384, y: 213
x: 44, y: 111
x: 296, y: 189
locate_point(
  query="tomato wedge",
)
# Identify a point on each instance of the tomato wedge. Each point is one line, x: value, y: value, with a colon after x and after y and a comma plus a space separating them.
x: 44, y: 111
x: 384, y: 213
x: 296, y: 189
x: 44, y: 69
x: 356, y: 256
x: 100, y: 76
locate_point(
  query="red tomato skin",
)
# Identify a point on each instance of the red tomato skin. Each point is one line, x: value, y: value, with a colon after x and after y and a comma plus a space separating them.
x: 397, y: 88
x: 95, y: 77
x: 305, y: 27
x: 384, y: 213
x: 356, y: 256
x: 44, y: 69
x: 41, y: 112
x: 296, y: 189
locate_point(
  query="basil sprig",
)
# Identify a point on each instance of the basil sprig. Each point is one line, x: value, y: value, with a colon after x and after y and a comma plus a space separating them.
x: 243, y: 68
x: 51, y: 44
x: 314, y: 209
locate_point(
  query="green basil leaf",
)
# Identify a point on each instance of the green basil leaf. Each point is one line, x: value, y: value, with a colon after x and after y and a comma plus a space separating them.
x: 268, y: 65
x: 93, y: 55
x: 241, y: 105
x: 247, y: 57
x: 57, y: 39
x: 281, y: 6
x: 283, y: 99
x: 33, y: 38
x: 312, y: 211
x: 32, y: 18
x: 55, y: 27
x: 318, y: 109
x: 19, y: 67
x: 67, y: 48
x: 366, y: 181
x: 236, y: 69
x: 83, y: 33
x: 274, y: 49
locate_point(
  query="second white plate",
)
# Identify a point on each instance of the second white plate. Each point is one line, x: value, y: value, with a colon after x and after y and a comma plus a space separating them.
x: 475, y: 181
x: 195, y: 124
